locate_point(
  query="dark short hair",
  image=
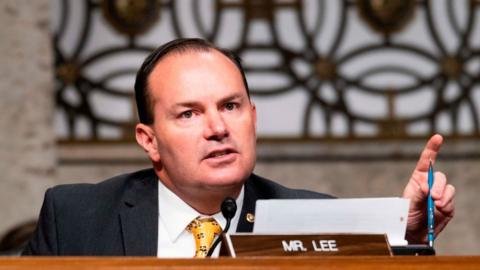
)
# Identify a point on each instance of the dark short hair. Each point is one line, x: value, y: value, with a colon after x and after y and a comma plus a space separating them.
x: 182, y: 45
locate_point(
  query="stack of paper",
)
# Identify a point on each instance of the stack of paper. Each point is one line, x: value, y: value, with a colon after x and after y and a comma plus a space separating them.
x: 369, y: 215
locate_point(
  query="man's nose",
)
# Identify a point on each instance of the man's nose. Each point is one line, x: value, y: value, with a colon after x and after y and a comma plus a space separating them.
x: 216, y: 127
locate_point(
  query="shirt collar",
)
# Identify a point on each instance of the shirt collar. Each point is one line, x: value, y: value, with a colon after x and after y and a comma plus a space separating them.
x: 175, y: 214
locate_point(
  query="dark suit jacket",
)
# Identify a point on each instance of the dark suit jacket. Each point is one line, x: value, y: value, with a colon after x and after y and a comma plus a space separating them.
x: 120, y: 216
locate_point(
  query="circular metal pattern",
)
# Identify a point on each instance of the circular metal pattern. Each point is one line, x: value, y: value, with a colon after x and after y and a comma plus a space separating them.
x: 131, y: 17
x: 259, y: 9
x: 386, y: 16
x: 68, y: 72
x: 326, y: 69
x: 305, y: 60
x: 452, y: 67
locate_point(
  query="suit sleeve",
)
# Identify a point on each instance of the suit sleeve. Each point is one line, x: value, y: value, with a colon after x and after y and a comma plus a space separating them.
x: 44, y: 239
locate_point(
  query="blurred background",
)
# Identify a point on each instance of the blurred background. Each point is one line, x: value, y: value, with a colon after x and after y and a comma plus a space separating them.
x: 347, y: 93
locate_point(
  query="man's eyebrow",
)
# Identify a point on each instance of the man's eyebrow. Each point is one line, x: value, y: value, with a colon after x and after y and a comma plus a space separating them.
x: 187, y: 104
x: 191, y: 104
x: 231, y: 98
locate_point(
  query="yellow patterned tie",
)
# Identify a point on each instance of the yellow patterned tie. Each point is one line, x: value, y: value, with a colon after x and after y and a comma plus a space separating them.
x: 204, y: 231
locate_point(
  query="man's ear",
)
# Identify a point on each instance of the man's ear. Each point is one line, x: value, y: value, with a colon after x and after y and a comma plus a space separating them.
x: 254, y: 114
x: 146, y: 139
x: 254, y: 109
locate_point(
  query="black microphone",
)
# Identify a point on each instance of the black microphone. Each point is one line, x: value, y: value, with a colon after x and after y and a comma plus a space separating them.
x: 228, y: 208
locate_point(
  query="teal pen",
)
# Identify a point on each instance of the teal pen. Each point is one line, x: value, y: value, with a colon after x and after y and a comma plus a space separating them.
x: 430, y: 207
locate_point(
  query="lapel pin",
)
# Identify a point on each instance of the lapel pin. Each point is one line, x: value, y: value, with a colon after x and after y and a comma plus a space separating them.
x: 250, y: 217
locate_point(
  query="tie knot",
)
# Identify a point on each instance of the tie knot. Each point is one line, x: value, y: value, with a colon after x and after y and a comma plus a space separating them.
x: 204, y: 231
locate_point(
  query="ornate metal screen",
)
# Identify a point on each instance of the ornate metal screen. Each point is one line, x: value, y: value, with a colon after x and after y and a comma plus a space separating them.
x: 317, y: 69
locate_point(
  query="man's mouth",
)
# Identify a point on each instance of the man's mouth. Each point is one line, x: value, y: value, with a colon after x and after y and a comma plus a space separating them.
x: 219, y: 153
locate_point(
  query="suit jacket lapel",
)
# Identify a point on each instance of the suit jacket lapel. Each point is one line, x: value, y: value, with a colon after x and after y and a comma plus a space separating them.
x: 249, y: 200
x: 139, y: 218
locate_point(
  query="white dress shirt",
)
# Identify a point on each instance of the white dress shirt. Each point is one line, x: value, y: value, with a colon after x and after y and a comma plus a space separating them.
x: 173, y: 217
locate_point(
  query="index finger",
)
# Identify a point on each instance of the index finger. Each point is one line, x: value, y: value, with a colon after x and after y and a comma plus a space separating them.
x: 429, y: 153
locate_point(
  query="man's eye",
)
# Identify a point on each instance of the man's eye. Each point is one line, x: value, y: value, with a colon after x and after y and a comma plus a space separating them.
x: 187, y: 114
x: 230, y: 106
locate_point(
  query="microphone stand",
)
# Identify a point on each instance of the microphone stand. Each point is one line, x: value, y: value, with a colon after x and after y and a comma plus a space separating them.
x: 228, y: 207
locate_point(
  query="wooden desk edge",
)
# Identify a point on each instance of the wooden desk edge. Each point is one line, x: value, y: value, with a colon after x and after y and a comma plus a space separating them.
x: 137, y: 263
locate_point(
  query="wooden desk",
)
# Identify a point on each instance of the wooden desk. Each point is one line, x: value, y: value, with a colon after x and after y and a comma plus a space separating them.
x: 264, y: 263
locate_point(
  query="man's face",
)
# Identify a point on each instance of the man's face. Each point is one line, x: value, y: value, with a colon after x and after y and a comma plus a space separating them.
x: 204, y: 124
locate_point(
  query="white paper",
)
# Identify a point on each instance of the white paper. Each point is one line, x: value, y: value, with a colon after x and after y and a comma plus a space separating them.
x: 367, y: 215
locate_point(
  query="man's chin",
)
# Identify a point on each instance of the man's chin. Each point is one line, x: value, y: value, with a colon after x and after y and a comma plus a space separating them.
x: 224, y: 181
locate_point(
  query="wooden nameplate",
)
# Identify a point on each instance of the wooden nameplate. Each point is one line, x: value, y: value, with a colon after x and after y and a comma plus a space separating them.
x: 247, y: 244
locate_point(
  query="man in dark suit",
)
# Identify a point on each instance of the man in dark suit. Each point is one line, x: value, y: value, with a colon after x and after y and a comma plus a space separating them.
x: 197, y: 126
